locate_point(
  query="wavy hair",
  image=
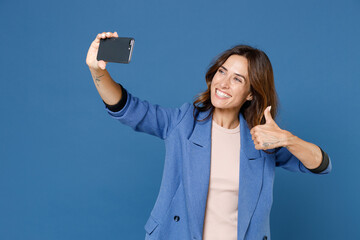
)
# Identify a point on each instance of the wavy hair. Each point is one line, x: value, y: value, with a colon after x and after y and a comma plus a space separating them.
x: 262, y: 85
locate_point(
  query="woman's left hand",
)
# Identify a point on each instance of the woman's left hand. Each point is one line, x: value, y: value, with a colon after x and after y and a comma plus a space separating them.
x: 269, y: 135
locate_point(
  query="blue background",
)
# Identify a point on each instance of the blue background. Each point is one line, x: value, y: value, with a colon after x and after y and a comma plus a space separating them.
x: 69, y: 171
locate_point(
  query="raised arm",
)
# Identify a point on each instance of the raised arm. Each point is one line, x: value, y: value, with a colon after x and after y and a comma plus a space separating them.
x: 109, y: 90
x: 139, y: 114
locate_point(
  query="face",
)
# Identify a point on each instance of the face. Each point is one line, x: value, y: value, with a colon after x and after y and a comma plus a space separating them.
x: 230, y: 86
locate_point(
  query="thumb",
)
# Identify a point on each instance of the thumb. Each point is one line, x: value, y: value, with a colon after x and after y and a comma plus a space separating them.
x: 267, y: 114
x: 102, y: 64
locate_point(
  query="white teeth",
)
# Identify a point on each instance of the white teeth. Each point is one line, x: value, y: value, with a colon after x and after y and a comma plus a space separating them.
x: 221, y: 94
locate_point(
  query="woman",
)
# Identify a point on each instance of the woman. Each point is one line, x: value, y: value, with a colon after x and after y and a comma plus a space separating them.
x: 221, y: 151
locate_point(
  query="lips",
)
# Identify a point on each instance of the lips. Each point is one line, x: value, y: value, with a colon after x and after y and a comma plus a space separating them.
x: 222, y: 94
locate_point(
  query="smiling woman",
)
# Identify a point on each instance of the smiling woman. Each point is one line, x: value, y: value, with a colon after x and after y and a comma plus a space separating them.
x: 218, y: 175
x: 247, y: 72
x: 229, y: 89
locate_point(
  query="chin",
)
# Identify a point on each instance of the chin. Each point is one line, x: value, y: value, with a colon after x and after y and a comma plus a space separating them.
x: 217, y: 105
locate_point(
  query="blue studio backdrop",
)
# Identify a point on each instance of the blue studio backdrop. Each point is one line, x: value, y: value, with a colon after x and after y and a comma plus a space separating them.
x: 69, y: 171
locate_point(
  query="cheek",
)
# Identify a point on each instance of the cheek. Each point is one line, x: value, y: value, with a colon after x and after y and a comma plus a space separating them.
x: 216, y: 79
x: 213, y: 84
x: 240, y: 96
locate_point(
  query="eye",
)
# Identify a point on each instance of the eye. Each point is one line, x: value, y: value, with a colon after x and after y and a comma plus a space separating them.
x: 238, y: 79
x: 221, y: 71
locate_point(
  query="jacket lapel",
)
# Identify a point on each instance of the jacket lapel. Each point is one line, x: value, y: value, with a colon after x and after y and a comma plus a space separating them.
x: 251, y: 178
x: 197, y: 174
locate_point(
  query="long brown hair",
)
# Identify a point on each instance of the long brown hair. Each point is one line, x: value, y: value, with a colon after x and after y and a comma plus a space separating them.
x: 262, y: 85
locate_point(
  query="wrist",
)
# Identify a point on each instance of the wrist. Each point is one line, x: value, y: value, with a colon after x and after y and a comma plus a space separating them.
x: 290, y: 139
x: 96, y: 70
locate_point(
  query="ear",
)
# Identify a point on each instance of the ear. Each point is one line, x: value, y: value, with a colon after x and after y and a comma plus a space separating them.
x: 249, y: 97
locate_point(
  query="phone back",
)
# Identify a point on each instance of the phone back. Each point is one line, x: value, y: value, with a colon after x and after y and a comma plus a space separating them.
x: 116, y: 49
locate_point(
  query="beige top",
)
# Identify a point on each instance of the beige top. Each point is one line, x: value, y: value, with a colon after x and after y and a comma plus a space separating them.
x: 221, y: 211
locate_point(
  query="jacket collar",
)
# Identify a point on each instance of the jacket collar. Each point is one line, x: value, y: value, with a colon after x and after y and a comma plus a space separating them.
x: 201, y: 135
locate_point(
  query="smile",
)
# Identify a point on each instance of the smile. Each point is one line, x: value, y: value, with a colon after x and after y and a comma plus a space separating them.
x: 221, y: 94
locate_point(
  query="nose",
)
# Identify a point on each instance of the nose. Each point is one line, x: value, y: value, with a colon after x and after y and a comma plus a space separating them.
x: 225, y: 82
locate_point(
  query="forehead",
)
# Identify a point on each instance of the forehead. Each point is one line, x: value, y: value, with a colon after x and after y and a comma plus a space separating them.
x: 237, y: 64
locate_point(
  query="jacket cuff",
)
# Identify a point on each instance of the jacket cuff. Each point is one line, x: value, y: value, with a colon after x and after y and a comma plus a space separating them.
x: 120, y: 105
x: 324, y: 163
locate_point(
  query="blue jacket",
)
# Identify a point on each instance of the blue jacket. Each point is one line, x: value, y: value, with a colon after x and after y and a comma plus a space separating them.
x: 179, y: 210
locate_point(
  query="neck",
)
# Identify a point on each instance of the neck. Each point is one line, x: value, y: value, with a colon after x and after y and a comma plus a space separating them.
x: 225, y: 118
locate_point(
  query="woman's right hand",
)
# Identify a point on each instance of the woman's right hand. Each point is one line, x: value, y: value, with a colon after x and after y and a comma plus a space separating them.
x: 93, y: 51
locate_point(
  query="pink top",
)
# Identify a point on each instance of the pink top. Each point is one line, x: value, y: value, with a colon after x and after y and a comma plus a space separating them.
x: 221, y: 211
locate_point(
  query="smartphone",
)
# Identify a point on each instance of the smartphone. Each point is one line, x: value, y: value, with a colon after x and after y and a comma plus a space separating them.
x: 116, y: 49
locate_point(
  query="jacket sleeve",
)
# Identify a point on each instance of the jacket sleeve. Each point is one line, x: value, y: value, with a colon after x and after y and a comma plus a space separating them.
x: 143, y: 116
x: 286, y: 160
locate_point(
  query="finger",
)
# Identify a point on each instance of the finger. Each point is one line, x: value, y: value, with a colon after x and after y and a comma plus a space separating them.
x: 110, y: 34
x: 104, y: 35
x: 252, y: 131
x: 258, y: 147
x: 267, y: 115
x: 255, y: 138
x: 102, y: 64
x: 255, y: 135
x: 100, y: 36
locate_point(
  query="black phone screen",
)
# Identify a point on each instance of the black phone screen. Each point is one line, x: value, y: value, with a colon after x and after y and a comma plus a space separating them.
x: 116, y: 49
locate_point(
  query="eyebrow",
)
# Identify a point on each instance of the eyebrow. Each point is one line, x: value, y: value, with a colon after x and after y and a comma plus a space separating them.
x: 235, y: 73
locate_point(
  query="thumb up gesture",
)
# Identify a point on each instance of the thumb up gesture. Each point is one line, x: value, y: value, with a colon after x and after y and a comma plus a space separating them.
x: 269, y: 135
